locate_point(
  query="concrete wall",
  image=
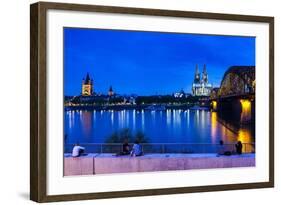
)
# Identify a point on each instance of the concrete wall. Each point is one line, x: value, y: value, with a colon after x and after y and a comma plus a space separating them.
x: 104, y: 164
x: 79, y: 165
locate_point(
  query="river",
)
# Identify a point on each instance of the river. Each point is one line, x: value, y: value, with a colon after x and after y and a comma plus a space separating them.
x: 169, y: 126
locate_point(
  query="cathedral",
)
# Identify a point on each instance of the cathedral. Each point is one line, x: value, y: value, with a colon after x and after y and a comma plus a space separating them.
x: 87, y: 86
x: 200, y: 85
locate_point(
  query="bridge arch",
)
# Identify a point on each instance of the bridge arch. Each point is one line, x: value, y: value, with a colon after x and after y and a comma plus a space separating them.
x: 238, y: 80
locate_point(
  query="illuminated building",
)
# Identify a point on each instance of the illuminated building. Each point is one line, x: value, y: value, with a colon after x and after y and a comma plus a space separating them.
x: 181, y: 94
x: 87, y: 86
x: 201, y: 86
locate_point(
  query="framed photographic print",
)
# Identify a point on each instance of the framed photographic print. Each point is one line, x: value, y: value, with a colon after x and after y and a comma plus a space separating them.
x: 134, y: 102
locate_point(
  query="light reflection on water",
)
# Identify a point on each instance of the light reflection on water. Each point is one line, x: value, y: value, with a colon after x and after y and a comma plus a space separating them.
x: 170, y: 126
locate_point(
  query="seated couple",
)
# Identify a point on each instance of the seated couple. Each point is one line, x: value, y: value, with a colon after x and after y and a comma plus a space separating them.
x: 136, y: 149
x: 223, y: 150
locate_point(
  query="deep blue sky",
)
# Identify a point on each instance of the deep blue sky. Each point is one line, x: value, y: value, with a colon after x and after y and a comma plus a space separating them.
x: 146, y: 63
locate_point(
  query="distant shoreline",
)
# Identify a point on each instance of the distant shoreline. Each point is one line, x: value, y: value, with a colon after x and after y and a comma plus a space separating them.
x: 131, y: 107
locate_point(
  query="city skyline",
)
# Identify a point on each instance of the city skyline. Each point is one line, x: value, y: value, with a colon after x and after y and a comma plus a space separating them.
x: 148, y: 63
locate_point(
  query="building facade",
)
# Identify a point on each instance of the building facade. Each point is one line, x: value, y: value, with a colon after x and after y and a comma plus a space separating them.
x: 87, y: 86
x: 200, y: 85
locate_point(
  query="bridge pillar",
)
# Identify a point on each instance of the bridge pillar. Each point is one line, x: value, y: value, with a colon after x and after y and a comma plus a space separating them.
x: 214, y: 105
x: 229, y: 109
x: 246, y: 111
x: 236, y: 110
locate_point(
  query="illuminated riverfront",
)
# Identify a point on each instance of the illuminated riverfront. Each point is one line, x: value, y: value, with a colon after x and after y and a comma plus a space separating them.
x: 161, y: 98
x: 225, y: 114
x: 189, y: 72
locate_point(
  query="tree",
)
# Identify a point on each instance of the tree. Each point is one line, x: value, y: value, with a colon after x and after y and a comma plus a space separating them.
x: 126, y: 134
x: 140, y: 137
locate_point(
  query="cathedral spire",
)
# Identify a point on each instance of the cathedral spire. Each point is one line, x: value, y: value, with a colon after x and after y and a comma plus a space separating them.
x: 197, y: 75
x: 204, y: 75
x: 87, y: 78
x: 196, y: 69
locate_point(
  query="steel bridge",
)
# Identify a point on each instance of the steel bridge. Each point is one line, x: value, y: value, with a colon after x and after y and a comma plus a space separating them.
x: 236, y: 94
x: 238, y: 81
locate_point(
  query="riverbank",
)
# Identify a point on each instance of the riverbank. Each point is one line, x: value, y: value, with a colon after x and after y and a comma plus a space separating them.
x: 91, y: 164
x: 132, y: 107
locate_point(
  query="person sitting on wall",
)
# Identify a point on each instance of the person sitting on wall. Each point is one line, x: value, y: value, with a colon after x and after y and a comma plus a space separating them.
x: 136, y: 150
x: 125, y: 148
x: 222, y: 149
x: 77, y: 150
x: 239, y: 147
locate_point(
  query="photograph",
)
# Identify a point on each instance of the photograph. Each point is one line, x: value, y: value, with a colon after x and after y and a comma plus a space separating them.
x: 148, y: 101
x: 131, y: 101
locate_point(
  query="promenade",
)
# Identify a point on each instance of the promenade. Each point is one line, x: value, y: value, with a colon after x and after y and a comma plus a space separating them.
x: 91, y: 164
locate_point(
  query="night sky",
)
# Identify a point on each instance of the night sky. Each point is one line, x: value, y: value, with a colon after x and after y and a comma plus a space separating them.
x: 148, y: 63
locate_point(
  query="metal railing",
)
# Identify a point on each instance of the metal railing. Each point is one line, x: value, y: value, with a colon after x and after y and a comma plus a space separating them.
x: 162, y: 147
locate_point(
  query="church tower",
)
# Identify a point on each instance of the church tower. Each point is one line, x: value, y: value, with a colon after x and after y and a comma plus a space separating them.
x: 110, y: 91
x: 197, y: 75
x: 204, y: 75
x: 87, y: 86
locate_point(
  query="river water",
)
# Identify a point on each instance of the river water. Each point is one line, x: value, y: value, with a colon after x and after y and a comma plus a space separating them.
x: 170, y: 126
